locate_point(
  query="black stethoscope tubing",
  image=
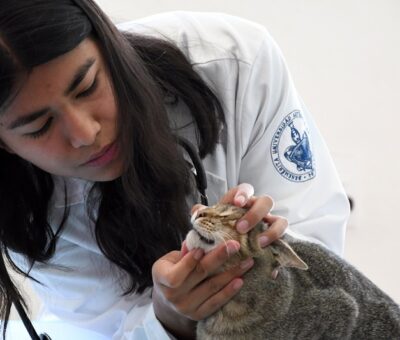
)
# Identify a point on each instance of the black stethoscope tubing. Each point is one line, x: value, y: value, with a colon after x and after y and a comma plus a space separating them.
x: 198, y: 171
x: 28, y: 324
x: 201, y: 184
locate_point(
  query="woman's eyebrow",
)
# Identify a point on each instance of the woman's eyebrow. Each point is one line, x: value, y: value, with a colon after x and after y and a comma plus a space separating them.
x: 26, y: 119
x: 79, y: 75
x: 76, y: 80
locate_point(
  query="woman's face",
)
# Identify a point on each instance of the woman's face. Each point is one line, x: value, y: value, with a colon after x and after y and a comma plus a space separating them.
x: 64, y: 118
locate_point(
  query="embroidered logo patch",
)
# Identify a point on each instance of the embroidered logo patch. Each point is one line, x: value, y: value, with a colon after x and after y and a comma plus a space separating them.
x: 291, y: 150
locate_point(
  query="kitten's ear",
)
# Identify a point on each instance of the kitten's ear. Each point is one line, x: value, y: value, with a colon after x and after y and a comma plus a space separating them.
x: 286, y: 256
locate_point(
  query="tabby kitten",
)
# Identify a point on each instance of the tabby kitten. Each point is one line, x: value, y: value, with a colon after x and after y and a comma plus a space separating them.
x: 295, y: 290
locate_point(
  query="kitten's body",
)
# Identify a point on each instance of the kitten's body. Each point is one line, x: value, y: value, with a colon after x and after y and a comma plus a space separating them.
x: 330, y: 300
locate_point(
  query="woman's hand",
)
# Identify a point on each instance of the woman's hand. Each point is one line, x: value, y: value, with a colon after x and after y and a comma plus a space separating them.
x: 188, y: 286
x: 259, y: 210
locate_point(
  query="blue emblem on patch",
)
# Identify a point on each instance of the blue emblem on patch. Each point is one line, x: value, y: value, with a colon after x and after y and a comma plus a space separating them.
x: 291, y: 150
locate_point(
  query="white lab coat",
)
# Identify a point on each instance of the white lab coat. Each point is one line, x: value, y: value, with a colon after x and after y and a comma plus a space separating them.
x: 270, y: 141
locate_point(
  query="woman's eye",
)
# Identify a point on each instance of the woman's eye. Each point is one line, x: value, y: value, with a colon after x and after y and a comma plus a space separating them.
x: 42, y: 130
x: 89, y: 90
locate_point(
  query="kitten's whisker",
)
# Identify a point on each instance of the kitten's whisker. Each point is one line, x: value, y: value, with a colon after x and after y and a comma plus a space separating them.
x: 227, y: 237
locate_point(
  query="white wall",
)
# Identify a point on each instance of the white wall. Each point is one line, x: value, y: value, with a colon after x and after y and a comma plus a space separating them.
x: 345, y: 59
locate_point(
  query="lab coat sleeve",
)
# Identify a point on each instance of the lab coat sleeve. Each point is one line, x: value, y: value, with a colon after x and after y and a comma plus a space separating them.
x: 85, y: 296
x: 274, y: 160
x: 150, y: 329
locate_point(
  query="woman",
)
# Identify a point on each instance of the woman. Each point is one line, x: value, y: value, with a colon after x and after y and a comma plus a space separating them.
x: 96, y: 189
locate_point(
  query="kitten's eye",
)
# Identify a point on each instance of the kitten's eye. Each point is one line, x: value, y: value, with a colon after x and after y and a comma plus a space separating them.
x: 196, y: 215
x: 202, y: 213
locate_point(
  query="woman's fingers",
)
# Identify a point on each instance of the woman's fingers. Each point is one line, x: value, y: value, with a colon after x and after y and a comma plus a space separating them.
x: 192, y: 283
x: 259, y: 207
x: 187, y: 283
x: 215, y: 302
x: 238, y: 195
x: 211, y: 263
x: 277, y: 227
x: 214, y: 292
x: 172, y: 269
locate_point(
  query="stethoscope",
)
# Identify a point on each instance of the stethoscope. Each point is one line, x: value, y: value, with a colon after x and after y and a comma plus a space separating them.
x: 28, y: 324
x: 201, y: 184
x: 197, y: 169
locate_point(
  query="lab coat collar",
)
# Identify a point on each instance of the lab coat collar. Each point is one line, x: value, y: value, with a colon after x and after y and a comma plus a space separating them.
x: 77, y: 190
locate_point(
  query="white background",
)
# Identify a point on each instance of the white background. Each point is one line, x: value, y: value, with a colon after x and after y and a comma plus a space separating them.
x: 344, y: 56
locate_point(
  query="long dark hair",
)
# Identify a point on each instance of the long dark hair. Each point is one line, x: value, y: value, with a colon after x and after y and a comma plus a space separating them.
x: 142, y: 214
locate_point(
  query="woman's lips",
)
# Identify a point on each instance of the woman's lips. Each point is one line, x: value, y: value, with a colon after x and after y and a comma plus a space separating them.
x: 105, y: 156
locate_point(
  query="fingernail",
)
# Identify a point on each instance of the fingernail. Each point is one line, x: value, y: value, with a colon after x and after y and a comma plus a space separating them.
x: 232, y: 248
x: 198, y: 254
x: 237, y: 284
x: 241, y: 200
x: 242, y: 226
x: 263, y: 241
x: 246, y: 263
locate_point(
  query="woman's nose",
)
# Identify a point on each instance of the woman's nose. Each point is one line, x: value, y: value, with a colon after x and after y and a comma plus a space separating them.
x: 81, y: 128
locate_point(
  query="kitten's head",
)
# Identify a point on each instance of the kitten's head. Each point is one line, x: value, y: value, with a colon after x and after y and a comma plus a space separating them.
x: 217, y: 224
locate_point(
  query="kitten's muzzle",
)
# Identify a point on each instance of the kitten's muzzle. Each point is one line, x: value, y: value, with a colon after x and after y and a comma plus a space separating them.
x: 203, y: 238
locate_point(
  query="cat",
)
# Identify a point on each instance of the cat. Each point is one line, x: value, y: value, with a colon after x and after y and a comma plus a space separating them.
x: 295, y: 290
